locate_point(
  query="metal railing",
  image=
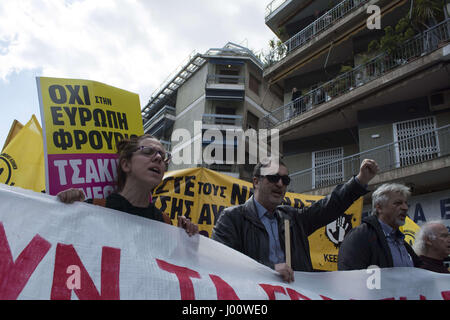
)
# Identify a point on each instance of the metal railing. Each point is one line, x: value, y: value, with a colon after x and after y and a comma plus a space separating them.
x: 176, y: 78
x: 166, y: 110
x: 222, y: 119
x: 385, y: 62
x: 322, y: 23
x: 166, y: 144
x: 224, y: 79
x: 420, y: 148
x: 272, y: 6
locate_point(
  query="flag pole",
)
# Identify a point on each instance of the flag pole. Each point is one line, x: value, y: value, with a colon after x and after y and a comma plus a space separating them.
x: 287, y: 233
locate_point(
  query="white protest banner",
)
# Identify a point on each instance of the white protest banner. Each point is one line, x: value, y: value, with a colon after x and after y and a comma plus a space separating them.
x: 51, y: 250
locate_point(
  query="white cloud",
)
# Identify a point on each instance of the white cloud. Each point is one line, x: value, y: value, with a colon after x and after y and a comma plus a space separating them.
x: 131, y: 44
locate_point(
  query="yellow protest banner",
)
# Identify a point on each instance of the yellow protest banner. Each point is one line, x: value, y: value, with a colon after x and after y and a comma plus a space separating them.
x: 201, y: 194
x: 82, y: 122
x: 13, y: 131
x: 410, y: 229
x: 22, y: 160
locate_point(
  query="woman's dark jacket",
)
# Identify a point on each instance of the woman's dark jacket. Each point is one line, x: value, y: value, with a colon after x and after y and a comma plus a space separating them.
x: 239, y: 227
x: 117, y: 202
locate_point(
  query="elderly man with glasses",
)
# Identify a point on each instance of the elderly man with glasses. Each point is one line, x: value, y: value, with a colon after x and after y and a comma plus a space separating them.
x: 256, y: 227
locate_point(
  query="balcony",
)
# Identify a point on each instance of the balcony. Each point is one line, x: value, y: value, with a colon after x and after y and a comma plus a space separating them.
x: 273, y: 6
x: 416, y: 47
x: 422, y: 158
x: 323, y: 23
x: 161, y: 121
x: 222, y: 121
x: 225, y: 87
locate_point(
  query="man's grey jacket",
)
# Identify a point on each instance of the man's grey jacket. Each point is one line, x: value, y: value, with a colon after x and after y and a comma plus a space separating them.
x: 239, y: 227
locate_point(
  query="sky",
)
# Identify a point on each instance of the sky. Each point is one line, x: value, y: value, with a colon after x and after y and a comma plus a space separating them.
x: 130, y: 44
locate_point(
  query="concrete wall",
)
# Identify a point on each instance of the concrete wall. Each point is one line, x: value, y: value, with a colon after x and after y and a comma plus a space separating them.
x: 303, y: 161
x: 192, y: 89
x: 442, y: 118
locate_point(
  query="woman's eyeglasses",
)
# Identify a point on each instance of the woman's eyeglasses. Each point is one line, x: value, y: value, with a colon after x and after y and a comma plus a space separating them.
x: 274, y: 178
x: 150, y: 151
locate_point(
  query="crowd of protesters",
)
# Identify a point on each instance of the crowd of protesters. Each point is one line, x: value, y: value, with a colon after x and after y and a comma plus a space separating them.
x: 256, y: 227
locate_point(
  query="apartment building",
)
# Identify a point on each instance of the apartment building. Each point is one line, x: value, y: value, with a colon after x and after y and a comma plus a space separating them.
x: 344, y: 102
x: 222, y: 90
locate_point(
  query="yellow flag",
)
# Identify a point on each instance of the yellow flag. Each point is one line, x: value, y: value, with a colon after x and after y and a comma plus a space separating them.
x: 22, y: 160
x: 13, y: 131
x: 410, y: 229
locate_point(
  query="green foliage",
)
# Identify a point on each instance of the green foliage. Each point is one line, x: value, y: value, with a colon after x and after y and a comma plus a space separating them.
x: 277, y: 52
x: 393, y: 37
x: 345, y: 69
x: 427, y: 13
x: 423, y: 14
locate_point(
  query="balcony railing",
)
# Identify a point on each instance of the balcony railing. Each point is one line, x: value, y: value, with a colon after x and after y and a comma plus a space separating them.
x: 272, y: 6
x: 417, y: 46
x: 222, y: 119
x: 398, y: 154
x: 167, y: 110
x: 166, y: 144
x: 312, y: 30
x: 224, y: 79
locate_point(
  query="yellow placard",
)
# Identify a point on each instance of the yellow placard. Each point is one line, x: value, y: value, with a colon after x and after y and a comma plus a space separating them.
x: 83, y: 121
x: 86, y: 117
x: 201, y: 194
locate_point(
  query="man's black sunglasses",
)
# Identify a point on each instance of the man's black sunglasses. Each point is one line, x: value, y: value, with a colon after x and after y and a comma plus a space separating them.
x: 274, y: 178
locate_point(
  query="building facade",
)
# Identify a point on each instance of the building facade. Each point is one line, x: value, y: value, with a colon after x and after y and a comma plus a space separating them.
x: 222, y: 90
x: 353, y: 92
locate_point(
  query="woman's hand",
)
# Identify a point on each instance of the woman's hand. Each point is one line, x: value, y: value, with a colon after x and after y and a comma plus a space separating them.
x: 70, y: 195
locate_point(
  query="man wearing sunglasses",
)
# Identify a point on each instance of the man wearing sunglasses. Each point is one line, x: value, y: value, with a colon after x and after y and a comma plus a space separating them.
x: 256, y: 227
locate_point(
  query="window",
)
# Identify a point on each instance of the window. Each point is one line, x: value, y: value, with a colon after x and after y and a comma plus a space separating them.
x: 252, y: 121
x: 254, y: 84
x: 228, y: 74
x: 227, y: 111
x: 328, y: 167
x: 417, y: 141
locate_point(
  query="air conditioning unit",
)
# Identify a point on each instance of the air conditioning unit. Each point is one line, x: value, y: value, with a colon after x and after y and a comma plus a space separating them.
x: 439, y: 100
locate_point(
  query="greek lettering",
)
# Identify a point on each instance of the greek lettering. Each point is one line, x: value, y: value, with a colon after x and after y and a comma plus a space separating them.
x: 74, y: 95
x: 103, y: 170
x: 85, y: 116
x: 80, y: 138
x: 122, y: 119
x: 61, y: 164
x: 95, y: 139
x: 71, y: 113
x: 55, y: 112
x: 87, y: 100
x: 76, y: 179
x: 112, y: 119
x: 62, y: 139
x: 99, y: 122
x: 57, y: 94
x: 189, y: 185
x: 103, y: 100
x: 91, y: 172
x: 108, y: 138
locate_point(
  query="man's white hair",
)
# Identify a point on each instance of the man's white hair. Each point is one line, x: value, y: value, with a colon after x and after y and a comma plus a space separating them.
x: 425, y: 232
x: 381, y: 195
